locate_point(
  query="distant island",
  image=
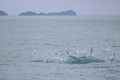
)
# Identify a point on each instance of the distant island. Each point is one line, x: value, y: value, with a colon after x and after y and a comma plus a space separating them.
x: 63, y: 13
x: 2, y: 13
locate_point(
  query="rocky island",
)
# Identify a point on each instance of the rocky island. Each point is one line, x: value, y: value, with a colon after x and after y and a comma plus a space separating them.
x: 2, y: 13
x: 28, y: 13
x: 63, y: 13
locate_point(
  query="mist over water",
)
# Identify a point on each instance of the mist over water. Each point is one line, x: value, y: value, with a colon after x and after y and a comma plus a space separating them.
x: 55, y: 48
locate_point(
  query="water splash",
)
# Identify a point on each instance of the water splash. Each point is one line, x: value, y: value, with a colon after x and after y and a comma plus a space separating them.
x: 82, y: 60
x: 72, y: 60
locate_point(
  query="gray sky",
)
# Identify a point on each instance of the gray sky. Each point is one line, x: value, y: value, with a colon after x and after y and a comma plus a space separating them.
x: 82, y: 7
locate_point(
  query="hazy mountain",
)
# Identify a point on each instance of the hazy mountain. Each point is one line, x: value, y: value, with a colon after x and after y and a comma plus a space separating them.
x: 28, y: 13
x: 63, y: 13
x: 2, y: 13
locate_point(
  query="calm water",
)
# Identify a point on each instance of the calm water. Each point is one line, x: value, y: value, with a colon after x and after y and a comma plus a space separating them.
x: 60, y: 48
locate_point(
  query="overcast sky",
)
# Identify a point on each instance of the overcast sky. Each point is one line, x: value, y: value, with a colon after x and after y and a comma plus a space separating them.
x: 82, y: 7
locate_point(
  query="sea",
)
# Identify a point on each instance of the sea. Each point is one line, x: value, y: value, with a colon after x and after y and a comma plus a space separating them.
x: 59, y: 47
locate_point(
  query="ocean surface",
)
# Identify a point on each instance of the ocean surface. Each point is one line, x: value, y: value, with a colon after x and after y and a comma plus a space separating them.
x: 60, y: 48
